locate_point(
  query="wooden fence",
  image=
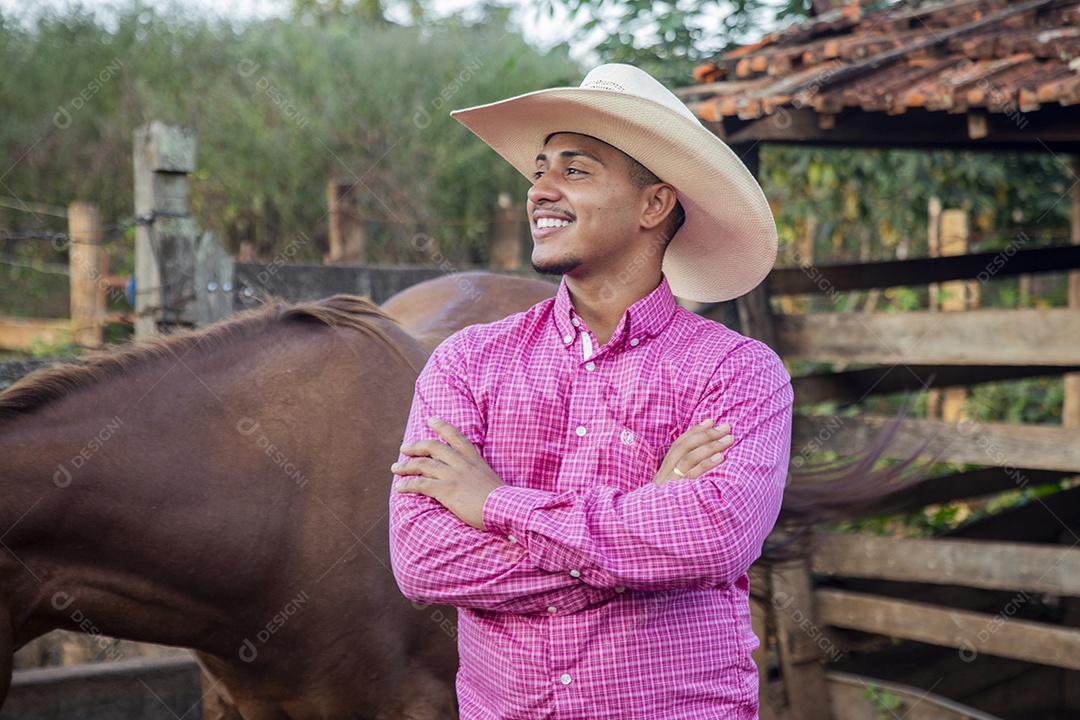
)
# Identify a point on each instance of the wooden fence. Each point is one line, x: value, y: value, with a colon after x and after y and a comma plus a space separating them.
x: 91, y: 287
x: 989, y: 615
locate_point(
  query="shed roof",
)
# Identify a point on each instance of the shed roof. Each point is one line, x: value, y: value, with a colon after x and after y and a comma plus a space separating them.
x: 973, y: 73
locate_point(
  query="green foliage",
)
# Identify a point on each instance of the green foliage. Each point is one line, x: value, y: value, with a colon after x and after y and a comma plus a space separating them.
x: 869, y: 205
x: 884, y: 703
x: 279, y: 108
x: 669, y: 39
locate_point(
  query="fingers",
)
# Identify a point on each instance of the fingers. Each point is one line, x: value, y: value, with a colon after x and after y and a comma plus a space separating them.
x: 422, y: 466
x: 704, y: 457
x: 456, y: 444
x: 453, y: 437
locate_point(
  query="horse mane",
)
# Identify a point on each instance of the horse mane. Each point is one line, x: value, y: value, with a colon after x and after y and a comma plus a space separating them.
x: 47, y: 385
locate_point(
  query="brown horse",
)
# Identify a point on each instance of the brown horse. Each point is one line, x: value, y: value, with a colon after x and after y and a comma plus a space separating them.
x: 226, y: 491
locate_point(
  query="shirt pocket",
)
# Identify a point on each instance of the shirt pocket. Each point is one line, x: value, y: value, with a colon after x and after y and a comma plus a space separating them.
x: 626, y: 460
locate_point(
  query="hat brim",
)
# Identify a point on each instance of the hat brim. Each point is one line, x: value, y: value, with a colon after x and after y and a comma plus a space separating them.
x: 726, y: 246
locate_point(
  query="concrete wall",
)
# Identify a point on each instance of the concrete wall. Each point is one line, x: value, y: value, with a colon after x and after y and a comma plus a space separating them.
x: 140, y: 689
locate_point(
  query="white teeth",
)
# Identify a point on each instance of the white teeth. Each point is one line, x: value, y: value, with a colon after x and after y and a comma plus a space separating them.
x: 542, y: 223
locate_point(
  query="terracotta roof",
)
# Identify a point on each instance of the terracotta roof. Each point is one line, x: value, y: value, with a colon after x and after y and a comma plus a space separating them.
x: 994, y: 56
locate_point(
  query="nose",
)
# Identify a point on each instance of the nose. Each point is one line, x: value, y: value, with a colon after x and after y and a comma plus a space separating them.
x: 544, y: 189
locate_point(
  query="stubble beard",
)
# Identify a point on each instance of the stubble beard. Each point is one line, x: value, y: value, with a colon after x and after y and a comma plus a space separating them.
x: 557, y: 267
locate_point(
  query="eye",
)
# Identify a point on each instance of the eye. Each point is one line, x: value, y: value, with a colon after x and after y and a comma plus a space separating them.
x: 575, y: 170
x: 538, y: 174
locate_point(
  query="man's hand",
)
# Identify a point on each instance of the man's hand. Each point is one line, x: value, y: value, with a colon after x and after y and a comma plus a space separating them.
x: 452, y: 473
x: 695, y: 452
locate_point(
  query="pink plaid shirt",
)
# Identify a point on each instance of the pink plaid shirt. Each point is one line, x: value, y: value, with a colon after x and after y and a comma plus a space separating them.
x: 595, y: 593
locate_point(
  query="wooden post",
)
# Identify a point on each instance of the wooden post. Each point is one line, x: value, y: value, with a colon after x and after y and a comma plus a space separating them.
x: 755, y: 313
x: 1070, y: 412
x: 957, y: 295
x: 213, y: 280
x: 347, y: 237
x: 87, y: 275
x: 933, y: 242
x: 506, y: 235
x: 165, y: 238
x: 797, y: 635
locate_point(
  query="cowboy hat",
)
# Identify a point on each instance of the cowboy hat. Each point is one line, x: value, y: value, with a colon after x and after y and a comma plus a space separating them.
x: 727, y: 245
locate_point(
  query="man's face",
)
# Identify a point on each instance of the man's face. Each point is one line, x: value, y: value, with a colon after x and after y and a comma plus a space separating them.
x: 583, y: 209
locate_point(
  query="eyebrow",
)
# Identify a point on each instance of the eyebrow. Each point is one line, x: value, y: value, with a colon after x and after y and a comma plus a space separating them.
x: 571, y: 154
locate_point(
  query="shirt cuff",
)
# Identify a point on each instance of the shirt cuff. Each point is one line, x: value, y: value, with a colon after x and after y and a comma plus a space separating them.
x: 507, y: 509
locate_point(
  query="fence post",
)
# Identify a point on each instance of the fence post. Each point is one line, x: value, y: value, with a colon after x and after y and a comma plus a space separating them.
x: 86, y: 261
x: 165, y: 238
x: 347, y: 238
x: 506, y: 235
x: 1070, y: 413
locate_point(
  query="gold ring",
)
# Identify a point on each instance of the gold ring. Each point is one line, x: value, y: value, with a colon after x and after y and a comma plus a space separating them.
x: 678, y: 472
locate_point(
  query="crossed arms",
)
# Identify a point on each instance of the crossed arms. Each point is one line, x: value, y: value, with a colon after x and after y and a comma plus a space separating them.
x: 460, y: 536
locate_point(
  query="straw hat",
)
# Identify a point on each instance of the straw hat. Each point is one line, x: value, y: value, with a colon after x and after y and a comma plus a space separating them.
x: 727, y: 245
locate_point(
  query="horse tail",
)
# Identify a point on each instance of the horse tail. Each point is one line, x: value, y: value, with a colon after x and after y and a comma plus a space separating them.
x: 843, y: 489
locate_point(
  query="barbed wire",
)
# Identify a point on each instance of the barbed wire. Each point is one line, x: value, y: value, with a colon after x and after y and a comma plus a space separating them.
x: 110, y: 233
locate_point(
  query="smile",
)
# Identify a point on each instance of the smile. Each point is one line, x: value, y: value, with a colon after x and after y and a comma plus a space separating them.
x: 542, y: 223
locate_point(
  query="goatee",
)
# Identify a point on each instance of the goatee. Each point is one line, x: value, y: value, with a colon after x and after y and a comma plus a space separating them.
x: 558, y: 267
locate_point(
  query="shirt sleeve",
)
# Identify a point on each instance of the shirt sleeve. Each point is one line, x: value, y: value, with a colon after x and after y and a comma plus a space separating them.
x: 439, y: 559
x: 690, y: 533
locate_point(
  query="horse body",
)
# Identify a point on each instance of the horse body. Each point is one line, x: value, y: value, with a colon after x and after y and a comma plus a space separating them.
x: 227, y: 493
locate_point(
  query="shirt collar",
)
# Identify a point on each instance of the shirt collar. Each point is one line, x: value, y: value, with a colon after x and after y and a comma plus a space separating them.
x: 644, y: 319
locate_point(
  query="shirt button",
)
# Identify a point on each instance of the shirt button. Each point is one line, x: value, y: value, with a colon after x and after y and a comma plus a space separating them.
x: 575, y: 573
x: 553, y: 609
x: 577, y: 323
x: 620, y: 589
x: 511, y: 538
x: 581, y: 431
x: 590, y: 366
x: 566, y: 679
x: 568, y: 339
x: 634, y: 342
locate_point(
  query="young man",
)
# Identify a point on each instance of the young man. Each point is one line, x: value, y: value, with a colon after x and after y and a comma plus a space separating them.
x: 569, y: 480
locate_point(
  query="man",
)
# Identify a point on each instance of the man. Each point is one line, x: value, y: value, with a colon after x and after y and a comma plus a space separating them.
x: 568, y: 479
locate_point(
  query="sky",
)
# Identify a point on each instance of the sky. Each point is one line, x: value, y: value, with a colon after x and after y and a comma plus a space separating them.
x: 539, y: 30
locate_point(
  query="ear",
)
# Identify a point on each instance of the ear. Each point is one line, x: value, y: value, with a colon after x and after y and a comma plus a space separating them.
x: 660, y: 200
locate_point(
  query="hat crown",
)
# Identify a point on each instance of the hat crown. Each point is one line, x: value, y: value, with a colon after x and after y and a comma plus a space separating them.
x: 629, y: 80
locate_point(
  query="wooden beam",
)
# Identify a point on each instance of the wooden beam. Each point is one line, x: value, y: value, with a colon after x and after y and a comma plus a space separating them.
x: 853, y: 386
x: 971, y: 632
x: 827, y: 279
x: 1049, y: 519
x: 23, y: 334
x: 1053, y: 127
x: 959, y: 486
x: 1011, y: 446
x: 971, y: 563
x: 981, y: 337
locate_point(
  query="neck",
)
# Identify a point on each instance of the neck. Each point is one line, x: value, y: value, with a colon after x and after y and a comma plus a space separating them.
x: 601, y: 301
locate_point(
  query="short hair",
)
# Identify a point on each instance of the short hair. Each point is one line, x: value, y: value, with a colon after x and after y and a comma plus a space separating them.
x: 642, y: 177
